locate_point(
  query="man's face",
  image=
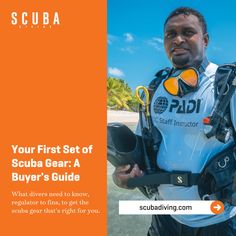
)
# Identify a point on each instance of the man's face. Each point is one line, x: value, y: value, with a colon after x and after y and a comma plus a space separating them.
x: 184, y: 41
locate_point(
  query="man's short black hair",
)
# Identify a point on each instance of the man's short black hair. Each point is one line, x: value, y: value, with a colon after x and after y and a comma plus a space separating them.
x: 189, y: 11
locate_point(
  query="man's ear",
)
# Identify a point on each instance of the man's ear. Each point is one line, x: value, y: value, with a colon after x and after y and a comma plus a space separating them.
x: 206, y: 39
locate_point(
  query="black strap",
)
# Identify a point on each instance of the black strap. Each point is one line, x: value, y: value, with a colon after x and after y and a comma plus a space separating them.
x: 186, y: 179
x: 225, y: 87
x: 159, y: 77
x: 151, y: 138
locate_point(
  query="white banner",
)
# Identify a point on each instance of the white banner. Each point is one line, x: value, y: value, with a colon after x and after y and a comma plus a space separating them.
x: 170, y: 207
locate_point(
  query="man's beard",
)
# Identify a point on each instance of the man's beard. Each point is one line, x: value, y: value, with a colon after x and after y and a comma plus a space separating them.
x: 180, y: 61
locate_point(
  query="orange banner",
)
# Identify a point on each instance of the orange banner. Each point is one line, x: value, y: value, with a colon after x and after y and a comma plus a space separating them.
x: 53, y: 117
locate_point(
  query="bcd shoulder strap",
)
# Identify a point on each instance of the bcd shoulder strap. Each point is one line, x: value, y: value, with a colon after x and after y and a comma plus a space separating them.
x: 219, y: 122
x: 159, y: 77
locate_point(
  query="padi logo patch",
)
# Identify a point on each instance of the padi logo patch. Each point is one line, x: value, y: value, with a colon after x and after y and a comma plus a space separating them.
x: 185, y: 106
x: 160, y: 105
x: 182, y: 106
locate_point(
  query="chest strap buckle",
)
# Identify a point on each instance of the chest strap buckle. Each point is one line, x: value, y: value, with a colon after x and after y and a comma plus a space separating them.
x: 180, y: 179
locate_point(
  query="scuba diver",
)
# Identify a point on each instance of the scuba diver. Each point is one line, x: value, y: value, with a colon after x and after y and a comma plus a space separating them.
x: 192, y: 114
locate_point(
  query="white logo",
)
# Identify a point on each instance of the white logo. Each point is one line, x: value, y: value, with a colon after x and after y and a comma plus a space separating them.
x: 35, y: 19
x: 224, y: 163
x: 180, y: 179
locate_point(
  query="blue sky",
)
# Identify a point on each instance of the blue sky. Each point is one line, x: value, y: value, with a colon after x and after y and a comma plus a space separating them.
x: 135, y: 35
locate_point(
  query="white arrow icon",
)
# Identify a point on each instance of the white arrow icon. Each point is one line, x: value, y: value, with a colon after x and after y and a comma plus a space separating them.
x: 217, y: 207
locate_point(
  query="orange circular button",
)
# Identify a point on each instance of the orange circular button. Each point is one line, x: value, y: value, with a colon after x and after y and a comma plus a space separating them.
x: 217, y: 207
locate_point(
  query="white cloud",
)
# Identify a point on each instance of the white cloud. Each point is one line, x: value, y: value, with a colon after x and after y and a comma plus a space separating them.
x: 158, y: 40
x: 113, y: 71
x: 217, y: 48
x: 129, y: 37
x: 156, y: 43
x: 111, y: 38
x: 130, y: 50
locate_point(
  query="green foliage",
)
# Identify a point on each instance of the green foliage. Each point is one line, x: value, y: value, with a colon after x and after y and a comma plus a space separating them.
x: 119, y: 95
x: 133, y: 103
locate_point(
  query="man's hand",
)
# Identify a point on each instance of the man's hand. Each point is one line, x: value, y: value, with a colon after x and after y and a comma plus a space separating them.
x: 122, y: 174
